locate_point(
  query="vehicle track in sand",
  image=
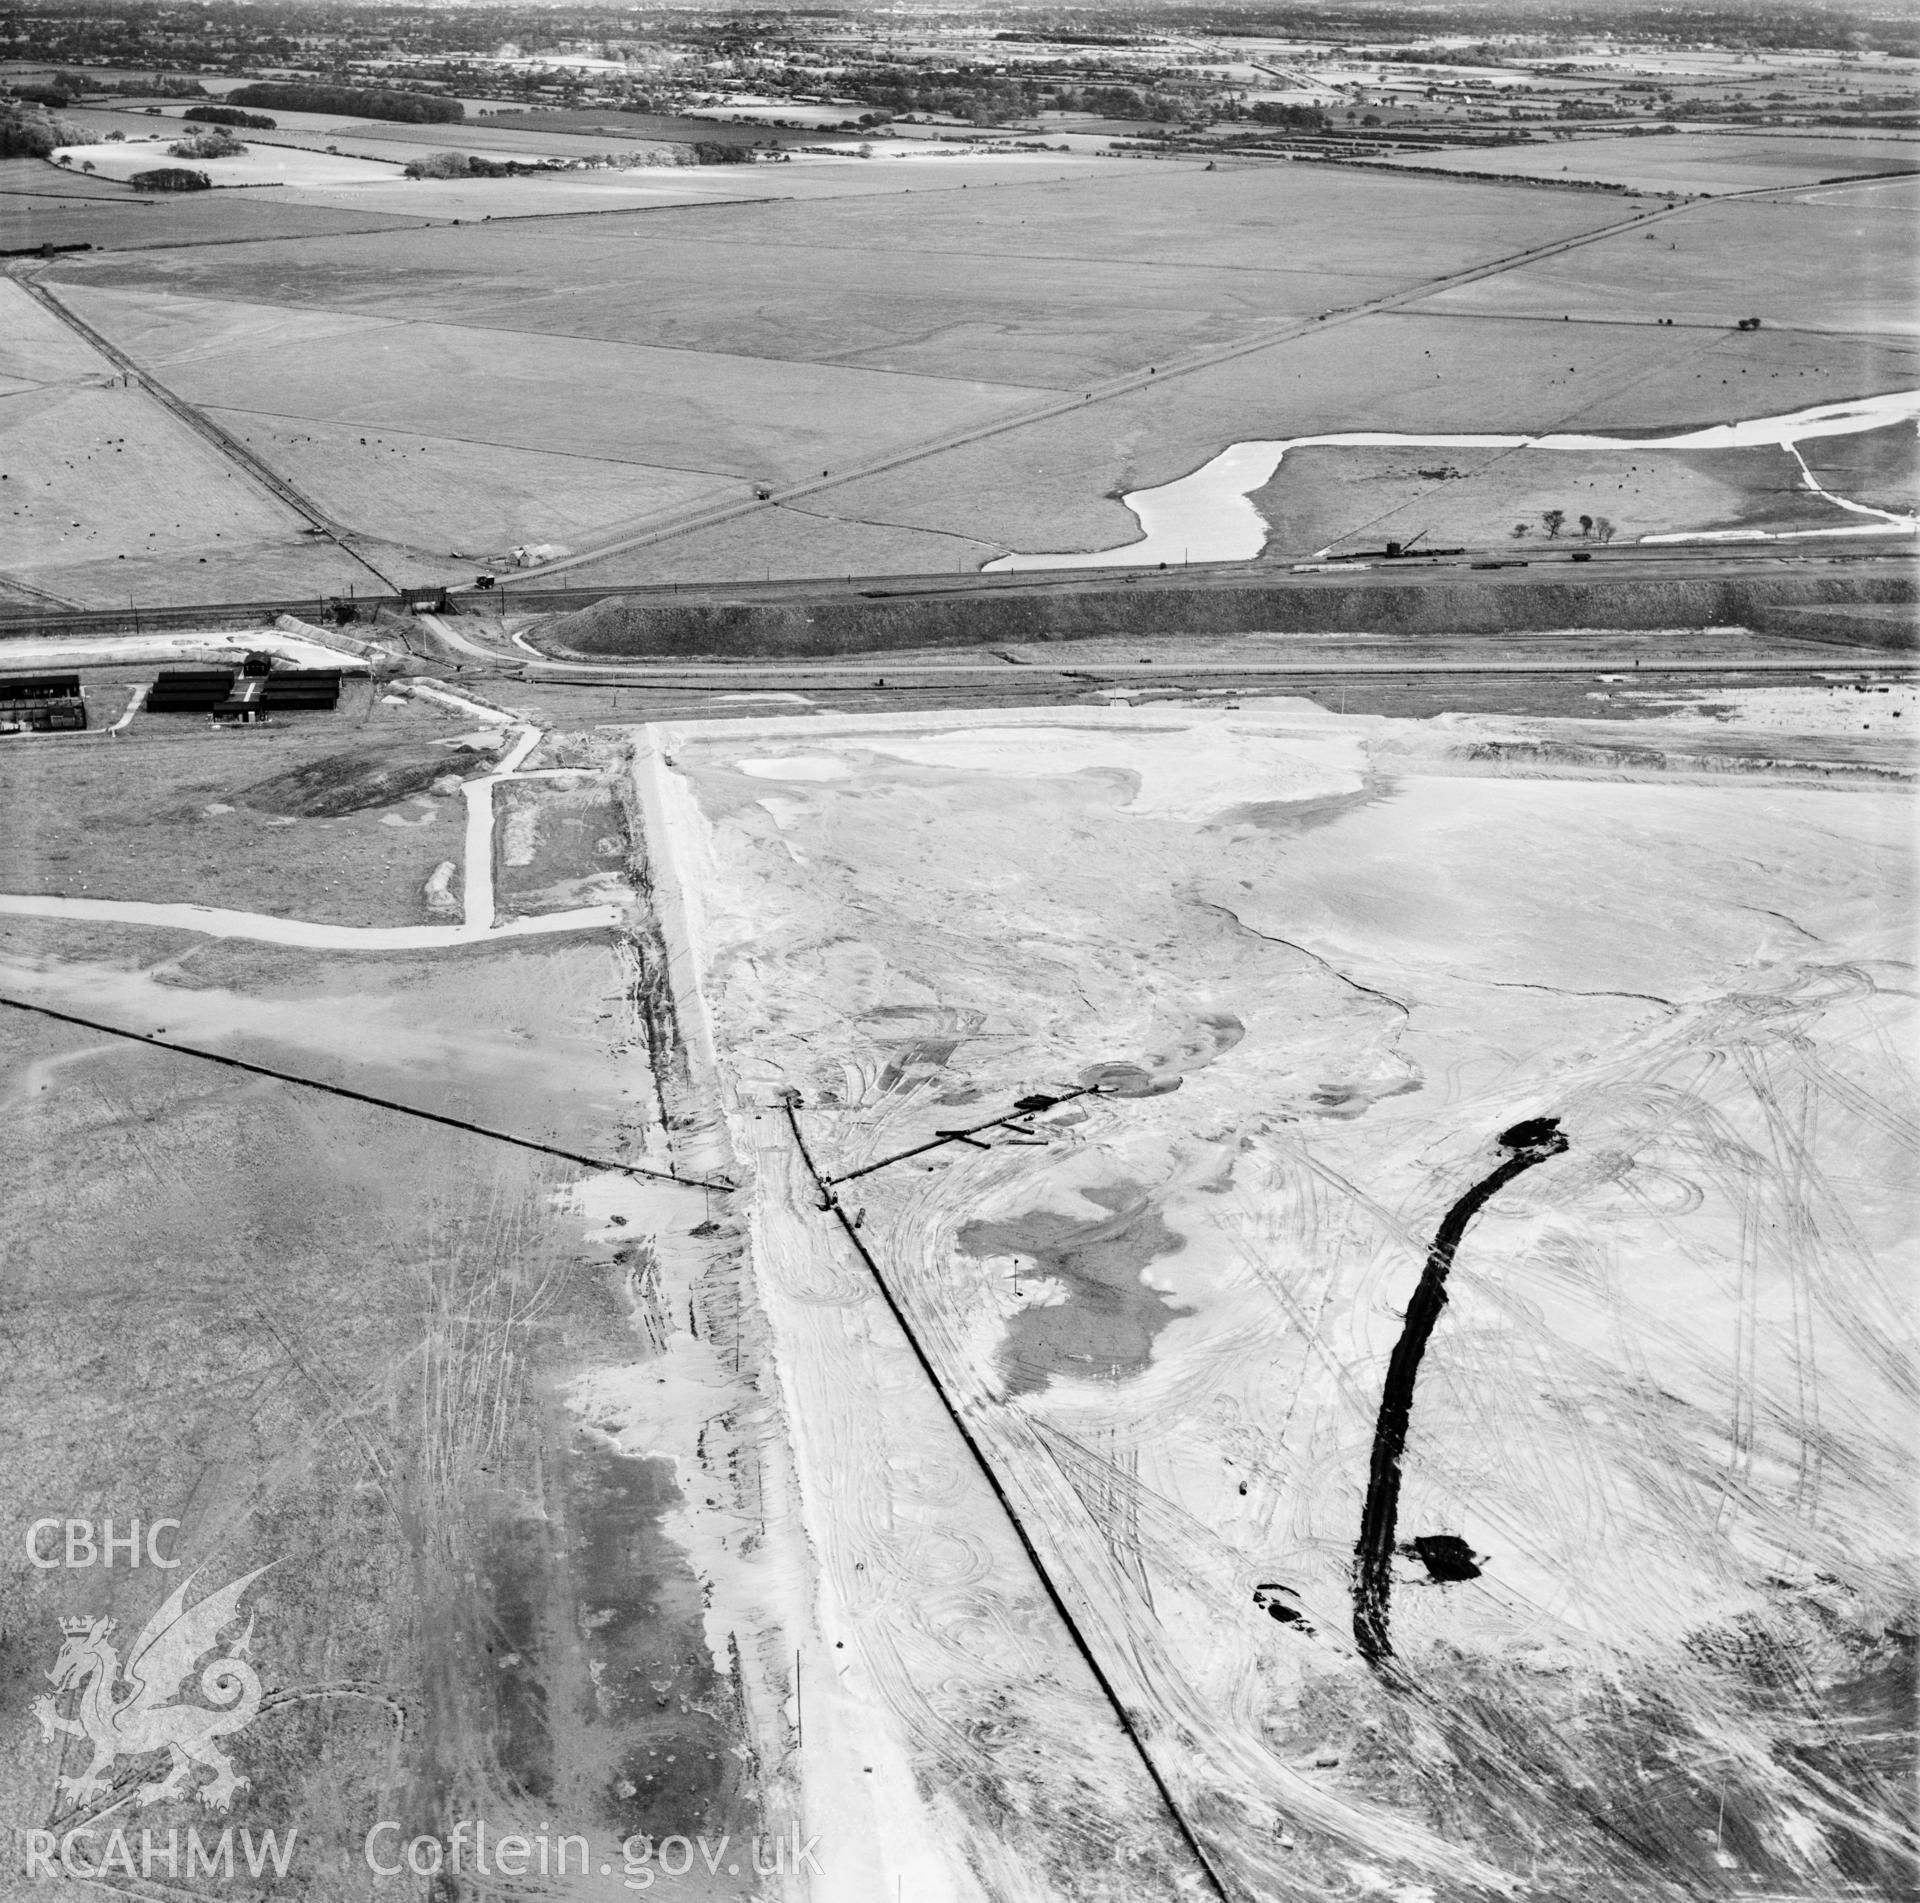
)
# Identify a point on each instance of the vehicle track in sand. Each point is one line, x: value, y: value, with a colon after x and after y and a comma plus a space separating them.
x: 824, y: 1186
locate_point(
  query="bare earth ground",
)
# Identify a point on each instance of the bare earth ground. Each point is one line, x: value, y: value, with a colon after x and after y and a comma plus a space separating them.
x: 1008, y: 677
x: 686, y: 1541
x: 1665, y: 1405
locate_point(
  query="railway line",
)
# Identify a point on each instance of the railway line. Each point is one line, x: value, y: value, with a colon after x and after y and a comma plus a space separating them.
x: 1631, y: 564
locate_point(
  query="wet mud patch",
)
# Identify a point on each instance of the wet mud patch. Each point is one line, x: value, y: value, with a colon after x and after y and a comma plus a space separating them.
x: 557, y: 845
x: 1090, y: 1312
x: 1195, y: 1045
x: 516, y: 1641
x: 1120, y: 1079
x: 667, y: 1716
x: 603, y: 1697
x: 1287, y: 817
x: 339, y: 783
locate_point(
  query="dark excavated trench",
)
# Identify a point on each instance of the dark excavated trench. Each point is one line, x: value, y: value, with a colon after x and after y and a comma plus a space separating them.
x: 1527, y: 1145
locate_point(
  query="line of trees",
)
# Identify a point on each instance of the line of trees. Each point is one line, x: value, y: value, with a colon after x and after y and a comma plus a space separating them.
x: 1593, y: 528
x: 476, y: 165
x: 161, y: 86
x: 1269, y: 112
x: 54, y: 98
x: 171, y: 178
x: 226, y: 116
x: 355, y: 102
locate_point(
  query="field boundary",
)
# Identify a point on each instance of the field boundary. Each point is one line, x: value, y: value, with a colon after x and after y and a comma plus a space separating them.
x: 1101, y: 392
x: 203, y: 426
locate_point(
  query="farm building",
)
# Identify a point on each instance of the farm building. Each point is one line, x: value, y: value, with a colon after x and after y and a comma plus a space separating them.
x: 41, y: 703
x: 248, y: 695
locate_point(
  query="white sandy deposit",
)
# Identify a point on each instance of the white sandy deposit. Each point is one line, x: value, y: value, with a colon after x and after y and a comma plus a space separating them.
x: 1171, y: 777
x: 1666, y: 1398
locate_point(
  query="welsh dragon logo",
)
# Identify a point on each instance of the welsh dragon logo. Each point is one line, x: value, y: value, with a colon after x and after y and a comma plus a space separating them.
x: 124, y: 1710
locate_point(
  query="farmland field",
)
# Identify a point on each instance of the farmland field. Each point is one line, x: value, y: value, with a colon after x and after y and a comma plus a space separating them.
x: 1057, y: 483
x: 479, y: 497
x: 577, y: 381
x: 693, y: 411
x: 881, y: 328
x: 1835, y: 262
x: 105, y: 495
x: 41, y: 204
x: 1709, y: 162
x: 1475, y: 497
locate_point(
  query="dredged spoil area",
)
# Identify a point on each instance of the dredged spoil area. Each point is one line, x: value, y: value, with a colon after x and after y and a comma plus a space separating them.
x: 1103, y: 1316
x: 1209, y: 515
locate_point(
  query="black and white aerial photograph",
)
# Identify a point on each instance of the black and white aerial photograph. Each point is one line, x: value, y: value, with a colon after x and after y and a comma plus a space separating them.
x: 1007, y: 992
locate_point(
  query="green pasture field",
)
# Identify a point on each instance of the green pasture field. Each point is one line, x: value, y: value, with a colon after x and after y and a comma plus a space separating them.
x: 1038, y: 322
x: 168, y: 807
x: 162, y: 329
x: 1710, y: 162
x: 1351, y: 498
x: 1843, y: 265
x: 1353, y: 229
x: 42, y: 204
x: 289, y: 567
x: 1057, y: 483
x: 394, y: 141
x: 570, y: 380
x: 718, y: 415
x: 1878, y: 467
x: 1041, y: 323
x: 1251, y: 218
x: 487, y: 135
x: 442, y: 493
x: 106, y: 497
x: 36, y: 348
x: 1062, y: 477
x: 96, y: 474
x: 816, y: 539
x: 660, y: 187
x: 40, y: 178
x: 671, y: 360
x: 602, y: 122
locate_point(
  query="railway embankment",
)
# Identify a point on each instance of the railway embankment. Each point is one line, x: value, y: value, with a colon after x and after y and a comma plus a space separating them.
x: 1848, y: 609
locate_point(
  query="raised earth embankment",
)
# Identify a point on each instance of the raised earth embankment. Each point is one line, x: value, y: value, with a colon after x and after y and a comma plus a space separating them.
x: 1848, y: 609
